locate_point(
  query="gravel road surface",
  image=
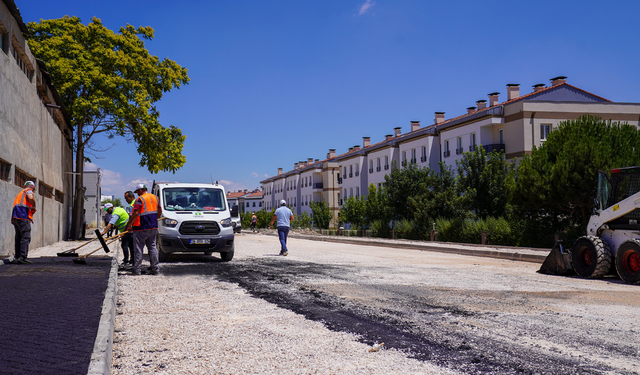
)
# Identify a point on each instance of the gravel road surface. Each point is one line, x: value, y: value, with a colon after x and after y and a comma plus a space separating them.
x: 320, y: 310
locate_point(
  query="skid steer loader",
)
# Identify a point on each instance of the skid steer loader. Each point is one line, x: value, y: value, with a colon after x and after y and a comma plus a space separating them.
x: 613, y: 232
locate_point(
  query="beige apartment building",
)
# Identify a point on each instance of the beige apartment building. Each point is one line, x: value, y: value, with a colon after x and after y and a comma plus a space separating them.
x: 513, y: 126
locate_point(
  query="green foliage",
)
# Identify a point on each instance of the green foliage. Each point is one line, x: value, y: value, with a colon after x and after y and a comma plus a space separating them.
x: 376, y: 207
x: 264, y: 218
x: 321, y: 214
x: 436, y: 197
x: 481, y: 182
x: 109, y: 83
x: 303, y: 220
x: 559, y: 179
x: 470, y: 230
x: 407, y: 229
x: 353, y: 211
x: 400, y: 185
x: 380, y: 228
x: 115, y: 202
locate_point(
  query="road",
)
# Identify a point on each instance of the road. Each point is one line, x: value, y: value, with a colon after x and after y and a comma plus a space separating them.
x: 468, y: 314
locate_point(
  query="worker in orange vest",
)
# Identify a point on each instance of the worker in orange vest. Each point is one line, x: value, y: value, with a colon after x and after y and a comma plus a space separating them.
x: 144, y: 221
x: 24, y: 206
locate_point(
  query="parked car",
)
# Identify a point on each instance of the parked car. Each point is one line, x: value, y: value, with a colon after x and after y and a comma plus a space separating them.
x: 236, y: 222
x: 196, y: 219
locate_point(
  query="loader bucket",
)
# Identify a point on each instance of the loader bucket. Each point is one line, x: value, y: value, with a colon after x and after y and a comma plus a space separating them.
x: 558, y: 262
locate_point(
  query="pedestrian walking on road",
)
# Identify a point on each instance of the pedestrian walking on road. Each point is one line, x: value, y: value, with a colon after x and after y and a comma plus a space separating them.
x: 284, y: 216
x: 127, y: 238
x: 24, y: 206
x: 254, y: 221
x: 144, y: 221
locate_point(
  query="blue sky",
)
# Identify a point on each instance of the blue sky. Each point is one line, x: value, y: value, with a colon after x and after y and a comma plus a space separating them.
x: 276, y: 82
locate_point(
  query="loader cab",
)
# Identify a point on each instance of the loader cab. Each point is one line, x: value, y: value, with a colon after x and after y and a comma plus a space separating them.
x: 623, y: 183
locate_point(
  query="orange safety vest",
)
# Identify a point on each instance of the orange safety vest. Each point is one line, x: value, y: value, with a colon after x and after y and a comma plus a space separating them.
x: 22, y: 207
x: 148, y: 218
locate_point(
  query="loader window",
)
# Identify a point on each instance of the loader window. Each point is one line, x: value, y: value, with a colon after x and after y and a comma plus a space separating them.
x: 604, y: 191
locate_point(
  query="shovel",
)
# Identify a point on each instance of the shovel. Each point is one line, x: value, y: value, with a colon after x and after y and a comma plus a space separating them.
x: 82, y: 259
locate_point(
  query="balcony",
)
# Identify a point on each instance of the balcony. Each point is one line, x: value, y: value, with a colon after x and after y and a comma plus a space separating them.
x: 386, y: 167
x: 357, y: 173
x: 447, y: 153
x: 413, y: 160
x: 494, y: 147
x: 350, y: 175
x: 378, y: 169
x: 423, y: 159
x: 472, y: 148
x: 370, y: 170
x: 339, y: 180
x: 318, y: 185
x: 458, y: 151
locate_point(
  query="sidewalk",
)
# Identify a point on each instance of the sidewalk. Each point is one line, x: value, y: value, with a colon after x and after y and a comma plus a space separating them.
x: 54, y: 311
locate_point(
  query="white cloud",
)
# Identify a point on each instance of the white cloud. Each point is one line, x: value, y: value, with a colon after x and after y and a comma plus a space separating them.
x: 366, y: 6
x: 255, y: 174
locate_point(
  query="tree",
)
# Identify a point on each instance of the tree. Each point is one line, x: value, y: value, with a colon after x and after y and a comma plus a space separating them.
x: 353, y: 211
x: 436, y: 197
x: 481, y: 182
x: 115, y: 202
x: 401, y: 184
x: 375, y: 206
x: 558, y: 180
x: 109, y: 84
x: 321, y: 214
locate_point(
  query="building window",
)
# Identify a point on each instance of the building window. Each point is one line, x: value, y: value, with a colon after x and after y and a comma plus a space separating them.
x: 404, y: 158
x: 370, y: 166
x: 357, y: 191
x: 45, y: 190
x: 413, y: 155
x: 5, y: 169
x: 351, y: 170
x: 254, y: 204
x: 60, y: 196
x: 21, y: 178
x: 472, y: 142
x: 459, y: 146
x: 500, y: 137
x: 351, y: 192
x: 247, y: 204
x: 423, y: 158
x: 378, y: 165
x: 545, y: 129
x: 345, y: 172
x: 447, y: 152
x: 386, y: 162
x: 260, y: 204
x: 357, y: 169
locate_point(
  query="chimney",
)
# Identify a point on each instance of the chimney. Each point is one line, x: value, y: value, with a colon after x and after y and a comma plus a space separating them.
x: 538, y: 87
x: 309, y: 161
x: 415, y: 125
x: 471, y: 110
x: 295, y: 166
x: 439, y: 117
x: 279, y: 171
x: 366, y: 142
x: 350, y: 149
x: 558, y: 80
x: 388, y: 137
x: 493, y: 98
x: 482, y: 104
x: 245, y: 190
x: 513, y: 91
x: 302, y: 164
x: 317, y: 160
x: 332, y: 153
x: 356, y: 148
x: 397, y: 131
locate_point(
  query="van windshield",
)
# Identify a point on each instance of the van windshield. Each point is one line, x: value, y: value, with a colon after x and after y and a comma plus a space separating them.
x: 193, y: 199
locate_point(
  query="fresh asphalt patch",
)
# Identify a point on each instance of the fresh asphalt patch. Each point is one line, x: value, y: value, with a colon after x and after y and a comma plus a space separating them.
x: 408, y: 318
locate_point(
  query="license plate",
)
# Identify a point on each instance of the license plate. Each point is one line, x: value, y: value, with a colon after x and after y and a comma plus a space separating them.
x: 204, y: 241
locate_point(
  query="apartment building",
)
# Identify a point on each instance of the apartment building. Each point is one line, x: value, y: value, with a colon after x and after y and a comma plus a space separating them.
x: 247, y: 201
x: 513, y: 126
x: 35, y: 137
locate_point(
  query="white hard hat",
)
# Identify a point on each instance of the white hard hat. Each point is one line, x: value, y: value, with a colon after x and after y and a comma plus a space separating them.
x: 107, y: 206
x: 283, y: 202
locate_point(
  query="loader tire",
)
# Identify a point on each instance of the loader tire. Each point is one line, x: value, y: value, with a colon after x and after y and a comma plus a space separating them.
x: 591, y: 257
x: 628, y: 261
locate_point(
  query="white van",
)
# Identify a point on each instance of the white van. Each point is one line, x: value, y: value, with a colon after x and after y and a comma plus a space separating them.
x: 196, y: 219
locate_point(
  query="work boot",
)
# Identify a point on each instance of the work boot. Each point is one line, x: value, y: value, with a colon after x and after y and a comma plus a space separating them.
x: 135, y: 273
x: 154, y: 272
x: 24, y: 261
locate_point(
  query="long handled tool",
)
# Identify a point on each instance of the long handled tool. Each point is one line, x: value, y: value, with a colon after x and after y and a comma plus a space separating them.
x: 82, y: 259
x: 72, y: 252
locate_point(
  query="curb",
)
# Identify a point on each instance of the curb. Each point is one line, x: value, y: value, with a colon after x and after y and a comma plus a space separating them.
x: 102, y: 349
x: 508, y: 253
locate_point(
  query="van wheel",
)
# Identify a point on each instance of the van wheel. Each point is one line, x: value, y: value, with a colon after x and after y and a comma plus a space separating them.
x: 591, y: 257
x: 628, y: 261
x: 162, y: 256
x: 227, y: 256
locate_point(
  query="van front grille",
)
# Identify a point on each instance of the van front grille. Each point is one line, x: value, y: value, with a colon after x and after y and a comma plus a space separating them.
x: 199, y: 227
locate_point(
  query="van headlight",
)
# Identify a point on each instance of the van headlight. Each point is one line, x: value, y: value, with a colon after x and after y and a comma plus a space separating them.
x: 171, y: 223
x: 226, y: 222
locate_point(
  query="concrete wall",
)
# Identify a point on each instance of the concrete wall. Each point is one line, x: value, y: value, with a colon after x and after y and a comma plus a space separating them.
x: 32, y: 140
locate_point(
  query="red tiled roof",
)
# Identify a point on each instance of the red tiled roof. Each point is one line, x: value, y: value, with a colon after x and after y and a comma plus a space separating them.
x: 237, y: 194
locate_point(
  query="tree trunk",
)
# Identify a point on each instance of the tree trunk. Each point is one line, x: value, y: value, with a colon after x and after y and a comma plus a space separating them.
x: 78, y: 200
